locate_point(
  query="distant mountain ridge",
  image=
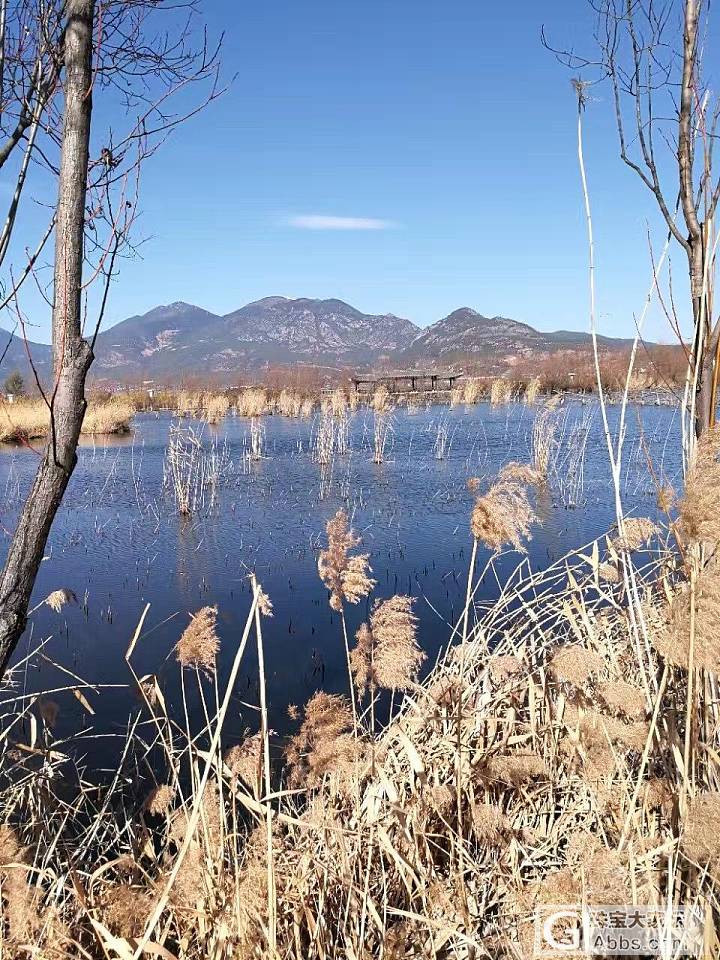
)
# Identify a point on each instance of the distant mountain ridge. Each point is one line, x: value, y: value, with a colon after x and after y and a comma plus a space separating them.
x: 179, y: 339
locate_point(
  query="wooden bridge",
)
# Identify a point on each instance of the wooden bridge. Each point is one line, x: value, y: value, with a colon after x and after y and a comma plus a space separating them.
x: 412, y: 382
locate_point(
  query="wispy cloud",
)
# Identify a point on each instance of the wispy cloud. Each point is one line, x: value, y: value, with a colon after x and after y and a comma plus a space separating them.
x: 315, y: 221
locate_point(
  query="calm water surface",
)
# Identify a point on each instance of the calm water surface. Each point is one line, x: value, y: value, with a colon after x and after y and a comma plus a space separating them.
x: 119, y: 543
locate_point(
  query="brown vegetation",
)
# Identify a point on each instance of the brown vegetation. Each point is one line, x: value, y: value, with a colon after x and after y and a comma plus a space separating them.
x: 535, y: 755
x: 28, y: 420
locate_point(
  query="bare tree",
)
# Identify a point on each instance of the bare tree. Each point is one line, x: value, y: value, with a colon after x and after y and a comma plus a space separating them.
x: 57, y: 58
x: 651, y: 52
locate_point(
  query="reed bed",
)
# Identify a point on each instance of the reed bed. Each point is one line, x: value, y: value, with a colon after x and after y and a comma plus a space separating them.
x: 193, y: 469
x: 501, y: 391
x: 472, y: 390
x: 203, y: 405
x: 187, y: 403
x: 564, y: 750
x: 215, y: 408
x: 252, y: 402
x: 532, y: 390
x: 27, y: 420
x: 290, y: 403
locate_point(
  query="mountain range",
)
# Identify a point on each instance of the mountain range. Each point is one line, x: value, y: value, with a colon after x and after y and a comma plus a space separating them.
x: 180, y: 339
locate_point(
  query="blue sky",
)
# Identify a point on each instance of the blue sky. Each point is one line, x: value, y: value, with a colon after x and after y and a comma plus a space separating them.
x: 444, y: 132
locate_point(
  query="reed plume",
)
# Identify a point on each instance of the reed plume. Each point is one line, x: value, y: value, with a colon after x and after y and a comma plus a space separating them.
x: 666, y: 497
x: 621, y: 697
x: 673, y: 640
x: 126, y: 908
x: 397, y: 656
x: 521, y: 472
x: 698, y: 509
x: 159, y: 801
x: 575, y: 664
x: 324, y: 744
x: 199, y: 644
x: 387, y: 654
x: 246, y: 759
x: 264, y: 603
x: 637, y: 532
x: 700, y: 840
x: 503, y: 516
x: 608, y: 572
x: 59, y: 598
x: 514, y: 769
x: 344, y: 574
x: 346, y: 577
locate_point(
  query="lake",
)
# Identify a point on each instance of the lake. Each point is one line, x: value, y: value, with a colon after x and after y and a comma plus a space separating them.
x: 119, y: 541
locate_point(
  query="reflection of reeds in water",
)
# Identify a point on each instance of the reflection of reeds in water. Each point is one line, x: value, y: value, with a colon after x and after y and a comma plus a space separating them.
x: 192, y: 471
x: 342, y: 433
x: 331, y: 439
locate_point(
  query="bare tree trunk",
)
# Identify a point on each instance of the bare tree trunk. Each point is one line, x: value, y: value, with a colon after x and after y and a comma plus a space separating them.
x: 72, y: 355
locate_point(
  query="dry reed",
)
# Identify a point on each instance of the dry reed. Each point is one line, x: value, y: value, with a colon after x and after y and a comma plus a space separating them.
x: 501, y: 391
x: 547, y: 759
x: 252, y: 402
x: 215, y: 407
x: 199, y: 644
x: 30, y: 419
x: 503, y: 516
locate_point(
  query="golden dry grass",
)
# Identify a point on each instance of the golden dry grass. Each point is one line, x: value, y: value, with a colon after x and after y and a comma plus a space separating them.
x: 532, y: 390
x: 501, y: 391
x: 23, y: 420
x: 27, y: 420
x: 215, y: 407
x: 108, y: 417
x: 291, y: 403
x: 253, y: 402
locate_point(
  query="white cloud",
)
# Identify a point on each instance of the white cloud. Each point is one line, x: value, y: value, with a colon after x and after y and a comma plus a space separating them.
x: 315, y: 221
